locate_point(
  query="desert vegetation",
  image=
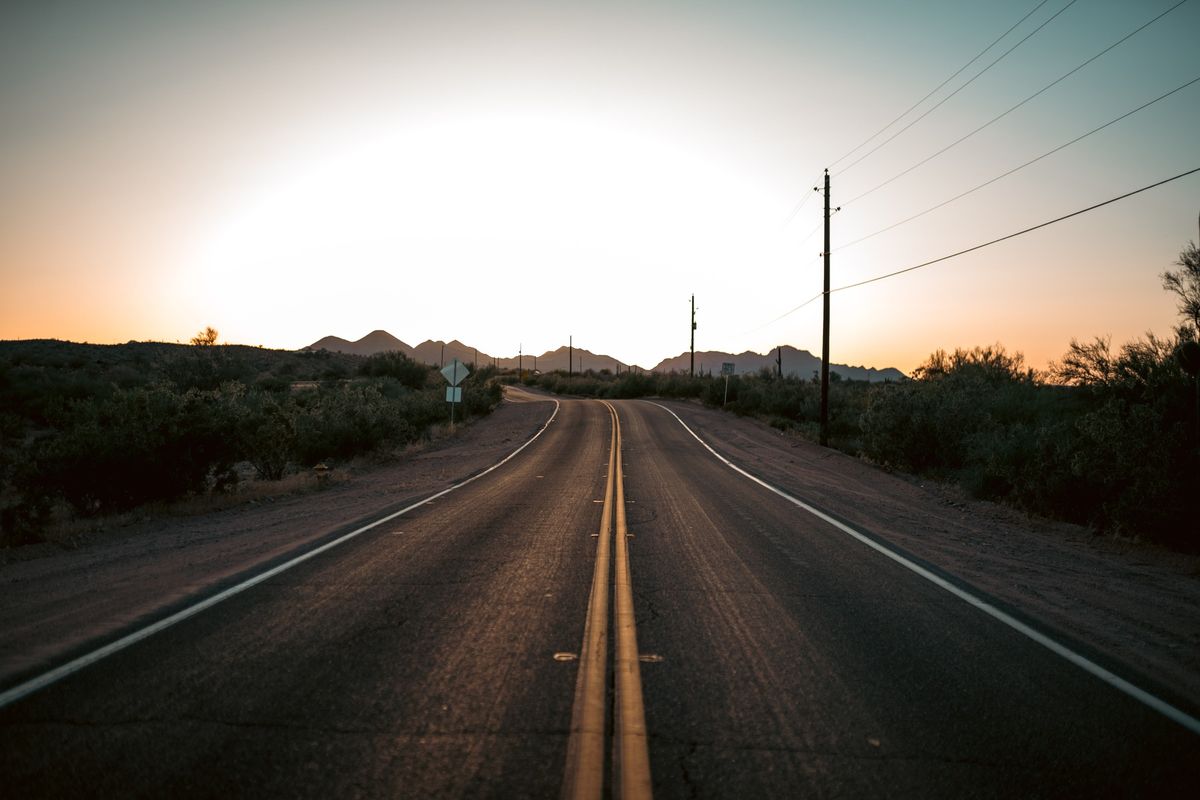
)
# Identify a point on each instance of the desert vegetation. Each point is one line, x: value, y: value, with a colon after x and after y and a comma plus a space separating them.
x: 89, y: 430
x: 1108, y: 437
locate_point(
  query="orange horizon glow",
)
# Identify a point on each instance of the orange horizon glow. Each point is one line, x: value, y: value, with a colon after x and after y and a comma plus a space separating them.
x: 435, y: 179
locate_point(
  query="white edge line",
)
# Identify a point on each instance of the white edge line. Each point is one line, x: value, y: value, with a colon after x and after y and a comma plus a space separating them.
x: 1117, y: 682
x: 46, y: 678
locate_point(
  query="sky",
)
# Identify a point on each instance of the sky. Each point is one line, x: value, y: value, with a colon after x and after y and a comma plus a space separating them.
x: 511, y: 174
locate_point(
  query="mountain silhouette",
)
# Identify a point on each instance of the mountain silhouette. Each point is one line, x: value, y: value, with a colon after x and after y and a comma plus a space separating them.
x: 374, y: 342
x: 800, y: 363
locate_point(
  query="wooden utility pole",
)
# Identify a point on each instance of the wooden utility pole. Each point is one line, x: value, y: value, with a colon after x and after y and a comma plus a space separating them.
x: 570, y: 355
x: 693, y: 346
x: 779, y: 360
x: 825, y: 330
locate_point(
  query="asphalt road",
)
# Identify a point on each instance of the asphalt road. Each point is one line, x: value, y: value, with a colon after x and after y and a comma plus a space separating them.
x: 438, y: 654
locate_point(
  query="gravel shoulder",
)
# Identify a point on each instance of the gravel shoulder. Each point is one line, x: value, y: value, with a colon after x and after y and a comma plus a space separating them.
x: 1133, y: 603
x: 55, y: 601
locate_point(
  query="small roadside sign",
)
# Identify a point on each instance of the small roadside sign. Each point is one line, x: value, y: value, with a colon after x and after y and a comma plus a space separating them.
x: 727, y: 369
x: 455, y: 372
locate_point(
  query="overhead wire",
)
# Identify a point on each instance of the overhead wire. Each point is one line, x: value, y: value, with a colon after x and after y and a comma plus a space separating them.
x: 794, y: 310
x: 811, y: 233
x: 973, y: 189
x: 937, y: 88
x: 1022, y: 232
x: 939, y: 103
x: 800, y: 205
x: 1014, y: 235
x: 1000, y: 116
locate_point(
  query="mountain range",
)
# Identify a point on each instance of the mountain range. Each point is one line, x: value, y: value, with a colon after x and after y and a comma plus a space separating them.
x: 795, y: 362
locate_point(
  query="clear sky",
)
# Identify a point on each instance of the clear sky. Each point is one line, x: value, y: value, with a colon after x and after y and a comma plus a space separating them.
x: 509, y: 174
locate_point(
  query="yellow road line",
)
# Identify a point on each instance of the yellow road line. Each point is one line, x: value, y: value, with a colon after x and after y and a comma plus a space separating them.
x: 631, y: 763
x: 584, y: 778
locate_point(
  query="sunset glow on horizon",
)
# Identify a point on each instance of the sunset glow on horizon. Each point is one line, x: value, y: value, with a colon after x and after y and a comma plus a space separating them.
x: 511, y: 174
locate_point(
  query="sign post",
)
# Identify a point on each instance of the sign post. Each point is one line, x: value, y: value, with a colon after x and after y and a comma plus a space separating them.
x: 727, y: 368
x: 454, y: 373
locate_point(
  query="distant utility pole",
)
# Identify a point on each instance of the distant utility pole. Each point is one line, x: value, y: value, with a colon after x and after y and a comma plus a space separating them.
x: 693, y: 347
x: 825, y: 330
x: 520, y: 362
x: 476, y: 361
x: 443, y: 356
x: 570, y: 355
x: 779, y: 360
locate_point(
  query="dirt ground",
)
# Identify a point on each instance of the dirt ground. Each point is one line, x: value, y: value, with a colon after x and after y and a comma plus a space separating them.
x: 1132, y: 603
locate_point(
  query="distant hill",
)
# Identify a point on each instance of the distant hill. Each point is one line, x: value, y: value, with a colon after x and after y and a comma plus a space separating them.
x: 795, y: 362
x: 373, y: 342
x: 800, y: 363
x: 435, y: 351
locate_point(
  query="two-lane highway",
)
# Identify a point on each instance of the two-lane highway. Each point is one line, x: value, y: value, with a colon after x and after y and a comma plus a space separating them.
x: 485, y: 644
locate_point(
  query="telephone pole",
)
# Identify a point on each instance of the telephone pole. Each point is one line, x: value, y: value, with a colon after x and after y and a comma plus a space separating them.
x: 570, y: 354
x: 825, y: 330
x: 693, y: 347
x: 779, y: 360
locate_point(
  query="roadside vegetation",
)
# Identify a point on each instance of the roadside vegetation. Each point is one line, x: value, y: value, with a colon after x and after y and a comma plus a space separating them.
x: 1107, y: 437
x: 92, y: 430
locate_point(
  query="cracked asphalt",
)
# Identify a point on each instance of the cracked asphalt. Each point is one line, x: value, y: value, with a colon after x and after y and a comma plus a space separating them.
x: 780, y: 658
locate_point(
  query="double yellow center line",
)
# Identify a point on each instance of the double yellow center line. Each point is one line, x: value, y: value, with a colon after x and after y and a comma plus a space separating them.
x: 585, y: 748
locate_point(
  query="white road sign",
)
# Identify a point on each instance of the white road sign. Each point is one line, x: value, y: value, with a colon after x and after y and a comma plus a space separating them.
x: 455, y: 372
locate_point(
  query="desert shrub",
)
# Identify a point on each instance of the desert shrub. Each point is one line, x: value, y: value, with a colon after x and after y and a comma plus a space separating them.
x: 266, y: 433
x: 276, y: 384
x: 342, y: 421
x: 138, y: 445
x: 394, y: 364
x: 480, y: 396
x: 1135, y: 450
x: 940, y: 421
x: 634, y: 384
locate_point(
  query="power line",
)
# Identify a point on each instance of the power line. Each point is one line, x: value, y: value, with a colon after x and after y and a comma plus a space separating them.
x: 894, y: 273
x: 1018, y: 168
x: 939, y: 86
x: 800, y: 205
x: 1014, y: 235
x: 1000, y: 116
x: 939, y: 103
x: 810, y: 234
x: 794, y: 310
